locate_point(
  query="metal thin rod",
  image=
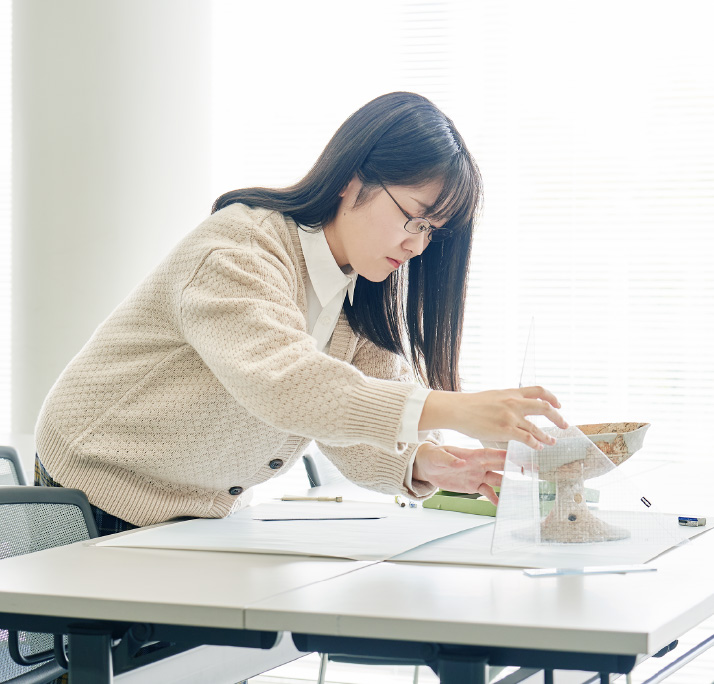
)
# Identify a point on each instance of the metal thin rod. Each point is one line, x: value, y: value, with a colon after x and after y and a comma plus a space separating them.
x: 678, y: 664
x: 519, y: 675
x: 531, y: 332
x: 323, y: 669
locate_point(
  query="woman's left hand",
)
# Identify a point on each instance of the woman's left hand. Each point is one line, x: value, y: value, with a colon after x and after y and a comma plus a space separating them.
x: 458, y: 469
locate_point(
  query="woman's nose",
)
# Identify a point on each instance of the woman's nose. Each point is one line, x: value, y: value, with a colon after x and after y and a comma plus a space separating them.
x: 416, y: 243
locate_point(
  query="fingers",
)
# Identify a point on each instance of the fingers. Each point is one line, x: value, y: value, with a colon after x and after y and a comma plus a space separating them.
x: 448, y: 459
x: 490, y: 459
x: 465, y: 470
x: 525, y: 436
x: 443, y: 459
x: 536, y: 407
x: 493, y: 479
x: 542, y: 437
x: 487, y: 491
x: 537, y: 392
x: 466, y: 451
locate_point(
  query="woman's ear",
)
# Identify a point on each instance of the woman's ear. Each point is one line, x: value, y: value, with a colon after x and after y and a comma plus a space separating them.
x: 352, y: 188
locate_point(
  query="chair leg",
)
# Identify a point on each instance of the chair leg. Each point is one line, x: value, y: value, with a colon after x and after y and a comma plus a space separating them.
x: 323, y: 669
x: 416, y: 674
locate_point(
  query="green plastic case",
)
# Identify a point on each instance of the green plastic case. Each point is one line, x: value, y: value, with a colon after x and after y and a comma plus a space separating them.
x: 476, y: 504
x: 461, y: 503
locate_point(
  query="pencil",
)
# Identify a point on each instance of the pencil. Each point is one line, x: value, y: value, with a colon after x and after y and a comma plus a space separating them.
x: 311, y: 498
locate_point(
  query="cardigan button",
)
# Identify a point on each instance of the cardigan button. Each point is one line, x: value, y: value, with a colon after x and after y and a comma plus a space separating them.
x: 276, y: 463
x: 235, y: 491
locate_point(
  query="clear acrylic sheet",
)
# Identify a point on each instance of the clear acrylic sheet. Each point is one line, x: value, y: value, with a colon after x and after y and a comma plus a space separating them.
x: 569, y: 500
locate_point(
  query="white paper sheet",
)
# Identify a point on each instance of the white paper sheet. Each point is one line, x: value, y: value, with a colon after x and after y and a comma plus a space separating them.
x: 473, y: 547
x: 312, y: 510
x: 392, y: 530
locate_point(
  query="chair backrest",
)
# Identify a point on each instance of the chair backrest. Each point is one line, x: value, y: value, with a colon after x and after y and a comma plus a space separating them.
x: 320, y: 470
x: 11, y: 471
x: 34, y: 519
x: 37, y: 518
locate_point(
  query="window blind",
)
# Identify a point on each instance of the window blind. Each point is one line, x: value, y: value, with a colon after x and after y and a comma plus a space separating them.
x: 593, y: 125
x: 594, y: 128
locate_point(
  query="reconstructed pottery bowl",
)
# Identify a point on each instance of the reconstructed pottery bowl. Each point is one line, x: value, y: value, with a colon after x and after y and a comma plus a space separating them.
x: 618, y: 441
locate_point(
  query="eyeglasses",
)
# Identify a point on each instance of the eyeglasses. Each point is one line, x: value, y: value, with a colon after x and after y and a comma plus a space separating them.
x: 417, y: 225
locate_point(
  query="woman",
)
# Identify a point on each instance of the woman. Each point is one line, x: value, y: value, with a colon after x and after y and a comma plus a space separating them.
x: 290, y: 315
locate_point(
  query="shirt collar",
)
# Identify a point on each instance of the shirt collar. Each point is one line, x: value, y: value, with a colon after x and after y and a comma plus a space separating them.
x: 327, y: 278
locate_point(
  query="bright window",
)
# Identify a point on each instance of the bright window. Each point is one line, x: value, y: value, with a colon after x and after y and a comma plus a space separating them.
x: 593, y: 125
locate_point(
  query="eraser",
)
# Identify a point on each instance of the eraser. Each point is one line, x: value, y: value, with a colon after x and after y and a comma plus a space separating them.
x: 687, y: 521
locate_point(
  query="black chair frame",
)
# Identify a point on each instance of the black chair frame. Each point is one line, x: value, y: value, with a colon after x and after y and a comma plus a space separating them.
x: 133, y: 647
x: 24, y: 495
x: 10, y: 454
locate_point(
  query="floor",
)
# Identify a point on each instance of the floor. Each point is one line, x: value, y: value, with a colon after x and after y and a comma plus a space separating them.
x: 306, y: 670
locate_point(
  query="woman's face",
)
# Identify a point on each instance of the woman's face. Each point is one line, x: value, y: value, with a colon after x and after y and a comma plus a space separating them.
x: 371, y: 237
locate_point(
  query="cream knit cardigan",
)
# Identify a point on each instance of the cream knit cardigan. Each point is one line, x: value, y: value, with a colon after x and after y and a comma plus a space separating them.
x: 206, y: 373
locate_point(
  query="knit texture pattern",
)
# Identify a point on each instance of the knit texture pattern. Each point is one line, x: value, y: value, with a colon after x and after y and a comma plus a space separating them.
x: 206, y: 373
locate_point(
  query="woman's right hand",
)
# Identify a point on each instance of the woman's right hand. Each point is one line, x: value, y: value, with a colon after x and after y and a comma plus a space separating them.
x: 494, y: 415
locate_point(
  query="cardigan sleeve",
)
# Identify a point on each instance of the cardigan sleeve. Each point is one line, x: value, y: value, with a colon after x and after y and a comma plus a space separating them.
x: 239, y: 312
x: 370, y: 466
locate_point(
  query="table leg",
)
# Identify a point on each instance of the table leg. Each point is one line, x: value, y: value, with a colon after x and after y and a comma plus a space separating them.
x: 455, y: 670
x: 90, y: 659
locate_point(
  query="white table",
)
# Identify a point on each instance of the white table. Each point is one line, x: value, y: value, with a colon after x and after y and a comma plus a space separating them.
x: 517, y: 620
x: 458, y: 617
x: 189, y: 597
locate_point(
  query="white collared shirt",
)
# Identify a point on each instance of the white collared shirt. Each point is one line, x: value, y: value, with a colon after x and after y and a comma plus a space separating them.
x: 328, y: 284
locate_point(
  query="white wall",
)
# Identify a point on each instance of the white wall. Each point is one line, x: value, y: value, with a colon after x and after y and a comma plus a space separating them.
x: 111, y: 165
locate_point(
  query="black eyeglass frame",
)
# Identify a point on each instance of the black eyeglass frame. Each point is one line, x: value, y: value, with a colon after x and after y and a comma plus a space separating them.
x: 435, y: 234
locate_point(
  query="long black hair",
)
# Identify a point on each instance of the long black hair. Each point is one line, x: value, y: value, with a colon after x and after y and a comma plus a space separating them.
x: 397, y: 139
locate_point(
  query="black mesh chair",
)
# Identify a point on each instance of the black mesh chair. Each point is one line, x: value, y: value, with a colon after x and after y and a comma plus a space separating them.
x: 11, y: 472
x: 34, y: 519
x: 37, y: 518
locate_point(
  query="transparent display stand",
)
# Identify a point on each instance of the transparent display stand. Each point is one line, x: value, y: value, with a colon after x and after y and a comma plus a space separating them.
x: 545, y: 505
